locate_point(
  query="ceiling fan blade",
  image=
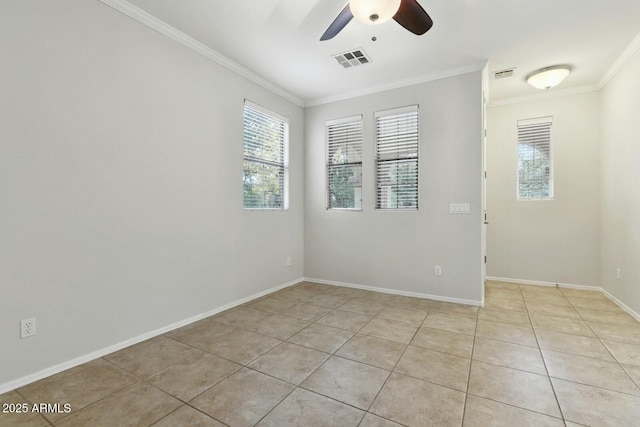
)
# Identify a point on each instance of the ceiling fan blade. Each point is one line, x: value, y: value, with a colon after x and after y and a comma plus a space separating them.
x: 413, y: 17
x: 338, y: 24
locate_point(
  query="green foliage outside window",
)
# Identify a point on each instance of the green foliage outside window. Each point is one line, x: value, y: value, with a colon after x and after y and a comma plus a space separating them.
x: 533, y: 173
x: 344, y: 182
x: 265, y: 172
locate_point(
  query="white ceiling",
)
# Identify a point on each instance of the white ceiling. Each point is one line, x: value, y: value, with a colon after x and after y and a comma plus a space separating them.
x: 279, y: 40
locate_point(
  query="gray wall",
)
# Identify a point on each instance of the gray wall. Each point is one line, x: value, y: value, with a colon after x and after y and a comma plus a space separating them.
x: 398, y: 250
x: 120, y: 184
x: 621, y: 185
x: 550, y: 240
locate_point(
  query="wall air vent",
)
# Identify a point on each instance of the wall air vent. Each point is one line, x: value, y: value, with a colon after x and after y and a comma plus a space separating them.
x: 352, y: 58
x: 503, y: 73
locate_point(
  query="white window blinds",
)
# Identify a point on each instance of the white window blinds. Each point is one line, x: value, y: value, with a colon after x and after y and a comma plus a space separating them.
x: 397, y: 142
x: 534, y: 159
x: 344, y: 163
x: 266, y: 136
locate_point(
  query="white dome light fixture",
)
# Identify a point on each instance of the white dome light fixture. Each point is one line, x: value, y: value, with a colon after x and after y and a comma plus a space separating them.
x: 548, y: 77
x: 372, y: 12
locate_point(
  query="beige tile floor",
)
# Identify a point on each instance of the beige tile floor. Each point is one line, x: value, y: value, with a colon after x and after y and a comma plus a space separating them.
x: 318, y: 355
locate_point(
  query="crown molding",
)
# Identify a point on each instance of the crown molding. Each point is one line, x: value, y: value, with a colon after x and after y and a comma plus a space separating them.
x: 145, y: 18
x: 622, y: 60
x: 397, y: 85
x: 545, y: 95
x: 162, y: 27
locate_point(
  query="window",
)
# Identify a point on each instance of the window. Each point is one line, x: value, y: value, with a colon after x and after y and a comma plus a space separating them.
x: 397, y: 158
x: 534, y: 159
x: 266, y: 168
x: 344, y: 163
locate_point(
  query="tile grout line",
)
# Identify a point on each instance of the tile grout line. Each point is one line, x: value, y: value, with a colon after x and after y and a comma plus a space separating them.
x: 235, y: 362
x: 595, y: 336
x: 31, y: 403
x: 515, y: 406
x: 607, y: 348
x: 608, y: 351
x: 277, y: 404
x: 391, y: 371
x: 296, y: 386
x: 94, y: 403
x: 394, y: 366
x: 299, y: 386
x: 473, y: 348
x: 330, y: 354
x: 544, y: 362
x: 138, y: 379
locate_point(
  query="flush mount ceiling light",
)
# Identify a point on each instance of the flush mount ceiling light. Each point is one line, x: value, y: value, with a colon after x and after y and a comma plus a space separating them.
x: 548, y: 77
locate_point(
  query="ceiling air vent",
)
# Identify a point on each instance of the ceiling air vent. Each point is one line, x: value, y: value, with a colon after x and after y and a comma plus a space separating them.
x: 352, y: 58
x: 503, y: 73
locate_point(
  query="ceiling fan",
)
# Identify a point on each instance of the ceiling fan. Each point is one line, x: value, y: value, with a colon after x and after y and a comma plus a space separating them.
x: 407, y: 13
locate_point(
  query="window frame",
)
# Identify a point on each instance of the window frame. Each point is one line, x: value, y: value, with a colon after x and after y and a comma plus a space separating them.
x: 284, y: 165
x: 538, y: 121
x: 359, y: 122
x: 407, y: 110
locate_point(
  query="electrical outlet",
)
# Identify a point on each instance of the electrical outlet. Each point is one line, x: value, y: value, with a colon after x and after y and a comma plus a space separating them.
x: 27, y: 327
x: 288, y: 261
x: 437, y: 270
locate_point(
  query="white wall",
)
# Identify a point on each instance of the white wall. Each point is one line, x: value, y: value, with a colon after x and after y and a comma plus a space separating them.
x: 398, y: 250
x: 621, y: 184
x: 556, y: 240
x: 120, y: 184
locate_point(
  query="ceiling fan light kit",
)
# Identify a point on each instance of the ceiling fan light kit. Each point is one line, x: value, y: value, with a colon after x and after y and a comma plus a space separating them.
x: 548, y: 77
x: 407, y: 13
x: 373, y: 12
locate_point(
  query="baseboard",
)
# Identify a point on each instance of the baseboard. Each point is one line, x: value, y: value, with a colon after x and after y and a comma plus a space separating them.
x: 566, y: 285
x: 540, y: 283
x: 396, y: 292
x: 20, y: 382
x: 621, y: 304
